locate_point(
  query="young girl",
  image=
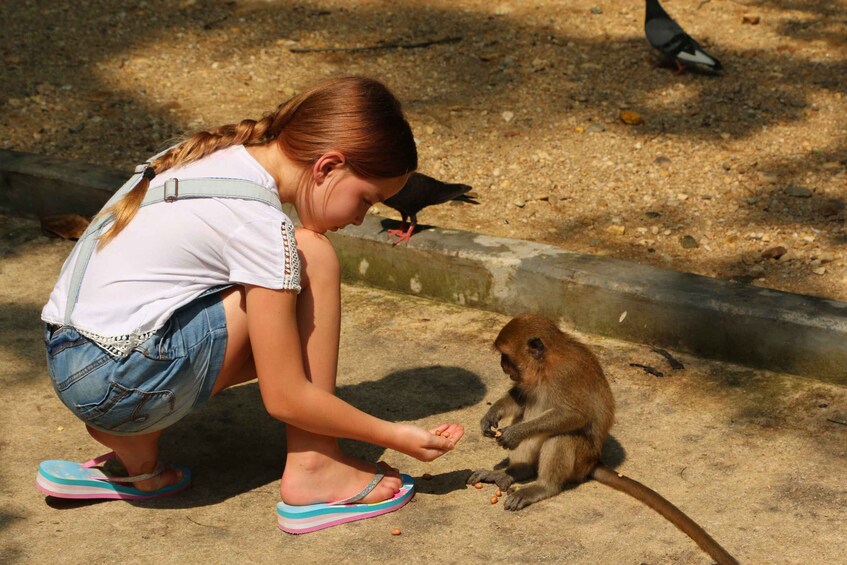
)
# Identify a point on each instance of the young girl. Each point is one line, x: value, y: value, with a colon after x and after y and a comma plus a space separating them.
x: 197, y: 281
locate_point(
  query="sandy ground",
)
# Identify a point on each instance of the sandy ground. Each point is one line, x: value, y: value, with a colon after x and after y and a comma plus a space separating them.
x: 521, y: 100
x: 757, y: 458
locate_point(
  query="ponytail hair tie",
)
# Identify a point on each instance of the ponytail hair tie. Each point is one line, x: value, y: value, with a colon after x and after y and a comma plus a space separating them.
x: 149, y: 173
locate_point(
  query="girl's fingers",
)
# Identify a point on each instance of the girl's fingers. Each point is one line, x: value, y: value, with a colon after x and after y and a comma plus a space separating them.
x: 448, y: 435
x: 440, y: 429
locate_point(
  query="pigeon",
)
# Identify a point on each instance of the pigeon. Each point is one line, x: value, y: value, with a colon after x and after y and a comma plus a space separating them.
x: 670, y: 39
x: 419, y: 192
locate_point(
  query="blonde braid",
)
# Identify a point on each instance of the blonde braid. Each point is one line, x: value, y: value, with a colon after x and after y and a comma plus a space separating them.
x: 246, y: 132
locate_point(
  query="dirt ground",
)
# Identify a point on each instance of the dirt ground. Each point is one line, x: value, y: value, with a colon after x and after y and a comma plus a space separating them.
x: 757, y: 458
x: 521, y: 100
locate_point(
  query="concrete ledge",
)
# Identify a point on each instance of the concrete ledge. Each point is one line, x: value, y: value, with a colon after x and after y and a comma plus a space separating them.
x: 735, y: 322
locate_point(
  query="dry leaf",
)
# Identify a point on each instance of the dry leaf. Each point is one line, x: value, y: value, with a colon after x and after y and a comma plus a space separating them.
x: 65, y: 226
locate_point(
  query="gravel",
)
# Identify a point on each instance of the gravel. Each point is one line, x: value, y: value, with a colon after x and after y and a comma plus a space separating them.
x: 555, y: 112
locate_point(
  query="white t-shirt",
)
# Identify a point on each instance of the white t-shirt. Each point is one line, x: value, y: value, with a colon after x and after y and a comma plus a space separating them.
x: 171, y: 252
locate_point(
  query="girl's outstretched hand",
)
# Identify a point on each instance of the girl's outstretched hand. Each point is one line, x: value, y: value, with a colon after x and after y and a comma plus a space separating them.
x: 428, y: 445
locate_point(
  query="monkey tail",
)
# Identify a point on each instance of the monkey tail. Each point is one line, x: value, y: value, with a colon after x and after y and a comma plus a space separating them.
x: 661, y: 505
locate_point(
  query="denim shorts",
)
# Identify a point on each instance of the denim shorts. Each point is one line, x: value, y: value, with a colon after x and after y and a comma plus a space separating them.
x: 160, y: 381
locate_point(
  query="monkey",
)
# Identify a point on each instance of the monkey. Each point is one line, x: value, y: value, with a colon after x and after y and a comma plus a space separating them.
x: 561, y: 409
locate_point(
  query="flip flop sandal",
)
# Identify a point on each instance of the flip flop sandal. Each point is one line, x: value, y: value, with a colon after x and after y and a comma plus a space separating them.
x: 313, y: 517
x: 67, y: 479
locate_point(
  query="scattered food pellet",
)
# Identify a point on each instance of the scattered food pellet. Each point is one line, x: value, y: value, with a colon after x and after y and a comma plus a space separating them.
x: 396, y: 532
x: 631, y: 118
x: 438, y: 432
x: 426, y: 477
x: 494, y: 500
x: 477, y: 486
x: 499, y: 492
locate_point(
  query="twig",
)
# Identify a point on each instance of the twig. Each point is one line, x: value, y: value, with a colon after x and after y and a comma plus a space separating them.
x: 381, y: 46
x: 836, y: 421
x: 674, y: 363
x: 199, y: 524
x: 648, y: 369
x: 703, y: 3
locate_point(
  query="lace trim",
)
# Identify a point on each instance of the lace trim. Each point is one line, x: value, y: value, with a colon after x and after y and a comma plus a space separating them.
x: 117, y: 346
x: 291, y: 261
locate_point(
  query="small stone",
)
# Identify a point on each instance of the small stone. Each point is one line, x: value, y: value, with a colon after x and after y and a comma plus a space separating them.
x: 616, y: 229
x: 596, y: 128
x: 507, y: 116
x: 819, y: 270
x: 726, y: 166
x: 725, y: 136
x: 826, y: 257
x: 662, y: 161
x: 520, y: 203
x: 787, y: 256
x: 769, y: 178
x: 682, y: 196
x: 596, y: 11
x: 688, y: 242
x: 755, y: 272
x: 750, y: 20
x: 797, y: 191
x: 774, y: 252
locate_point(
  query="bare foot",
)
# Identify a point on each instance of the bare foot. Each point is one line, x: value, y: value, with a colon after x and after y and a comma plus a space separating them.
x: 312, y: 478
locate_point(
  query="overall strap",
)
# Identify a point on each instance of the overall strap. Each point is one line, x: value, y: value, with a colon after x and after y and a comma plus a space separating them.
x: 172, y: 190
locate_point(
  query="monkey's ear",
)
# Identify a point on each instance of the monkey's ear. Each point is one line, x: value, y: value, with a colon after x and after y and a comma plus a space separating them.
x: 536, y: 347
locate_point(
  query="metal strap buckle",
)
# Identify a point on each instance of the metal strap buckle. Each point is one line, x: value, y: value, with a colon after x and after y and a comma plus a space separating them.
x: 171, y: 196
x: 140, y: 168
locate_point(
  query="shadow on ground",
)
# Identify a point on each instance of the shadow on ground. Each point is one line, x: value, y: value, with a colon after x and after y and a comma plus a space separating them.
x: 240, y: 448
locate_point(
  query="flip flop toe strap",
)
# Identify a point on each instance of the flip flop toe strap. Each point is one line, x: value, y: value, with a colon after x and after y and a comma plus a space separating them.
x: 160, y: 467
x: 93, y: 463
x: 365, y: 492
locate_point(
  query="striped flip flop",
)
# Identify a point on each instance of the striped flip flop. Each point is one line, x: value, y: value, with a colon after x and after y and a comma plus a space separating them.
x: 313, y: 517
x: 67, y: 479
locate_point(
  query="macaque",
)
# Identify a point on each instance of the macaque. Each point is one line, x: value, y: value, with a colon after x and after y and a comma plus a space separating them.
x: 561, y: 410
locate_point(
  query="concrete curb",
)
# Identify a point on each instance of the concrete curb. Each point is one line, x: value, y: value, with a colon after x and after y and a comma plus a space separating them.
x: 785, y: 332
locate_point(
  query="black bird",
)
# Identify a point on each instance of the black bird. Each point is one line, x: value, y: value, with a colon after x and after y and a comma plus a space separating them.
x: 670, y: 39
x: 419, y: 192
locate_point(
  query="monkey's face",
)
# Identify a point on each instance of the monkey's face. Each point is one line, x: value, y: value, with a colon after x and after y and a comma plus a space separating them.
x: 522, y: 348
x: 508, y: 367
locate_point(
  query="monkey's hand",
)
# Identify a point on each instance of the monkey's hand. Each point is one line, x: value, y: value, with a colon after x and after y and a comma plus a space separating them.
x: 489, y: 423
x: 510, y: 437
x: 500, y: 478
